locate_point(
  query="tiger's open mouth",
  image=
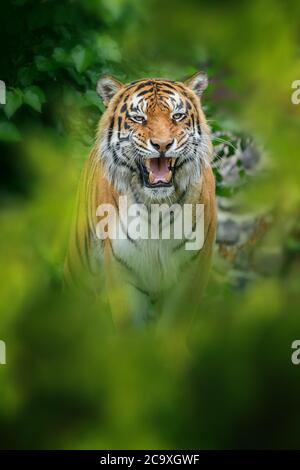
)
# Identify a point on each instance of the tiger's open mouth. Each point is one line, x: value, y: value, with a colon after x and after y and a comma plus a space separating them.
x: 158, y: 172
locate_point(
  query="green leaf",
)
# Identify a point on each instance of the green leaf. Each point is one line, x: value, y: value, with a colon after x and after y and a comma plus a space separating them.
x: 44, y: 64
x: 224, y: 191
x: 14, y: 100
x: 81, y: 57
x: 9, y: 132
x: 34, y: 97
x: 293, y: 244
x: 60, y: 56
x: 27, y: 75
x: 108, y: 48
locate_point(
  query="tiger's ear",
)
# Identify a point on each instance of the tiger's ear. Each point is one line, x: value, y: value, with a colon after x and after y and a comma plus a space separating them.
x: 107, y: 87
x: 197, y: 82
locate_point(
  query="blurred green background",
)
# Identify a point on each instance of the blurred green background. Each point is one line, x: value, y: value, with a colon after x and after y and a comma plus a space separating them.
x: 69, y: 382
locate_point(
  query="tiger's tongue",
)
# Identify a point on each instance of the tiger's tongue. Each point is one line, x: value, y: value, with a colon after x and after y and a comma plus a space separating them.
x: 159, y: 168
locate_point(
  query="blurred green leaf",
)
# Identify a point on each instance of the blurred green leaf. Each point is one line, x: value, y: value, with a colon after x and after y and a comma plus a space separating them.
x: 34, y: 97
x: 9, y: 132
x: 27, y: 75
x: 14, y: 99
x: 293, y: 244
x: 82, y: 58
x: 44, y: 64
x: 60, y: 55
x: 108, y: 49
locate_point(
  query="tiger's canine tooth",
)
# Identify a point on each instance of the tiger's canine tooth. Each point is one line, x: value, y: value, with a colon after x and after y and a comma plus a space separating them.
x: 168, y: 177
x: 151, y: 177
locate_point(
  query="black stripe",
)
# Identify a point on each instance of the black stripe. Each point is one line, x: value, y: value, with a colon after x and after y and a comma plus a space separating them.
x: 168, y: 85
x: 110, y: 129
x: 87, y: 248
x: 180, y: 245
x: 144, y: 92
x: 139, y: 289
x: 185, y: 265
x: 134, y: 109
x: 141, y: 144
x: 199, y: 128
x: 167, y: 92
x: 164, y: 105
x: 121, y: 162
x: 193, y: 120
x: 78, y: 248
x: 186, y: 160
x: 120, y: 260
x: 181, y: 145
x: 181, y: 197
x: 149, y: 82
x: 135, y: 192
x: 134, y: 83
x: 119, y: 125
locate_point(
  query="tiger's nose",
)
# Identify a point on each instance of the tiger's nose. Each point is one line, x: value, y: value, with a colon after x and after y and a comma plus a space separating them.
x: 161, y: 145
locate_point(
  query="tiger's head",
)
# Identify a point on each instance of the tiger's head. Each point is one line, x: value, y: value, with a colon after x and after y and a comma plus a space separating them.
x: 153, y: 137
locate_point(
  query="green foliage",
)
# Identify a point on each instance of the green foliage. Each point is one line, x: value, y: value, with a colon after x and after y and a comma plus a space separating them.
x: 9, y: 132
x: 34, y: 97
x: 70, y: 381
x: 14, y: 100
x: 65, y: 45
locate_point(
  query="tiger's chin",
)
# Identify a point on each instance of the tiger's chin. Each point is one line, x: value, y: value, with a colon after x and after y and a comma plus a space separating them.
x: 159, y: 194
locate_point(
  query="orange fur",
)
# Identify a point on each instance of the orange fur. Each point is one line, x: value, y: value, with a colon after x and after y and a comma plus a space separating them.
x: 83, y: 271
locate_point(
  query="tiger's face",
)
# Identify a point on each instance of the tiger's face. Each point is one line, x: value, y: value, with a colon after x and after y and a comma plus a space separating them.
x: 153, y: 137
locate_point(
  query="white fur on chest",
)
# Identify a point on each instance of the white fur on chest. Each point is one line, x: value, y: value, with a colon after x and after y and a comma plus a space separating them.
x: 154, y: 263
x: 154, y: 253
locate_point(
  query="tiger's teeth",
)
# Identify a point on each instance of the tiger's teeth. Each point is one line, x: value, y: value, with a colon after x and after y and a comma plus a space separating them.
x: 168, y: 177
x: 171, y: 161
x: 151, y: 177
x: 147, y: 163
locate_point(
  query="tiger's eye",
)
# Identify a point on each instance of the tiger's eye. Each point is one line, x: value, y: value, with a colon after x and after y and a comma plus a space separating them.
x: 178, y: 116
x: 139, y: 119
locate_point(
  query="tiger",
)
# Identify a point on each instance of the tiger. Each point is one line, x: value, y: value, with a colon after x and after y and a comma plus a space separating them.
x: 153, y: 145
